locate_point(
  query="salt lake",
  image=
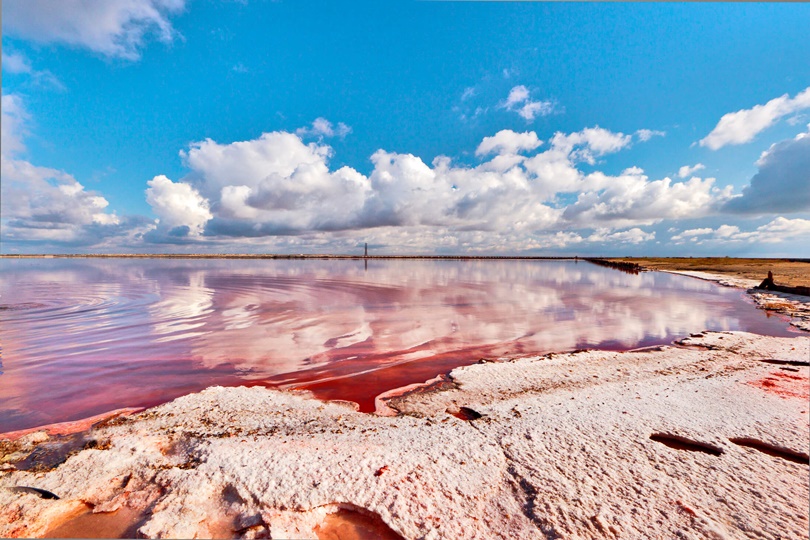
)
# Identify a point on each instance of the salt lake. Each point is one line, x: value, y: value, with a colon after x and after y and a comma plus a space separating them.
x: 84, y: 336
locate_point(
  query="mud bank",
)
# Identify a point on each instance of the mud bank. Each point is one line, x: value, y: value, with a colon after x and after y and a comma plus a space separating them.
x: 708, y: 438
x: 795, y: 306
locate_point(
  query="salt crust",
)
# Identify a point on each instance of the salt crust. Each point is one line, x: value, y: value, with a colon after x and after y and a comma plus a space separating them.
x: 562, y: 450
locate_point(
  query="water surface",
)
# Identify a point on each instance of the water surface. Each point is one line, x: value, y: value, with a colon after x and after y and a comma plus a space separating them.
x: 84, y: 336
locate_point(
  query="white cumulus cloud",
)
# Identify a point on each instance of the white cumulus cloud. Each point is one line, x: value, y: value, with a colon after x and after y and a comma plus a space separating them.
x: 781, y: 229
x: 12, y: 126
x: 686, y: 170
x: 114, y: 28
x: 634, y: 199
x: 180, y: 208
x: 645, y: 135
x: 41, y: 203
x: 776, y: 231
x: 17, y: 63
x: 280, y: 190
x: 691, y: 233
x: 590, y: 143
x: 630, y: 236
x: 519, y: 100
x: 40, y: 197
x: 321, y: 127
x: 742, y: 126
x: 277, y: 185
x: 507, y: 141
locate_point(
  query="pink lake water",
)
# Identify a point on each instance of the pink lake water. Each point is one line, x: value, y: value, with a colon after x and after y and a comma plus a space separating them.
x: 84, y: 336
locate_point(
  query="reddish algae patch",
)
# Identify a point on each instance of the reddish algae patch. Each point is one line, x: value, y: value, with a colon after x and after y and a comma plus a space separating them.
x: 784, y: 385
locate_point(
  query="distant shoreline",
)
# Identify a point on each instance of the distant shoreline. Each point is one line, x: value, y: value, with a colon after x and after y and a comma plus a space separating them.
x: 277, y: 256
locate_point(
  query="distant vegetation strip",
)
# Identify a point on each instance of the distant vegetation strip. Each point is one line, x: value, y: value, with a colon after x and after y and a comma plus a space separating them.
x: 624, y: 266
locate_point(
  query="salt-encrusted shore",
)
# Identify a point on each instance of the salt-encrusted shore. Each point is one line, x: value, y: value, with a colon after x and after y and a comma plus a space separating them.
x: 706, y: 439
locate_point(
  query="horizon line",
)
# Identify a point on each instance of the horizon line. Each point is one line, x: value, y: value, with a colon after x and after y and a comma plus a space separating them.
x: 358, y: 257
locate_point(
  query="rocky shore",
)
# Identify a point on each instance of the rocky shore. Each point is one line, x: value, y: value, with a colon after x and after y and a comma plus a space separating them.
x: 707, y: 438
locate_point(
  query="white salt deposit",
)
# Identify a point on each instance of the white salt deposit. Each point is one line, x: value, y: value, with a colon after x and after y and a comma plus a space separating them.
x: 562, y: 450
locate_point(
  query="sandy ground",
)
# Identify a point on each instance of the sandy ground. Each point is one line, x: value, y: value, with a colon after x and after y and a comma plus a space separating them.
x: 785, y: 272
x: 704, y: 439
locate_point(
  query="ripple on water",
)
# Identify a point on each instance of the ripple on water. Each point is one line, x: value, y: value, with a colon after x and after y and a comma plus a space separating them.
x: 80, y: 337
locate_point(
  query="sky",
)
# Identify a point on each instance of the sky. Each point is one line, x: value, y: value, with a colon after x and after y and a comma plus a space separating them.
x: 531, y: 128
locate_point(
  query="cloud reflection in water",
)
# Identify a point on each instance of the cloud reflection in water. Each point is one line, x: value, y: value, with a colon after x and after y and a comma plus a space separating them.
x: 113, y: 333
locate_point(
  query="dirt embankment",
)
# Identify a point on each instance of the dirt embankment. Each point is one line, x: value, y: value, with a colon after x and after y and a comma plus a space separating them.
x: 706, y: 439
x: 790, y: 272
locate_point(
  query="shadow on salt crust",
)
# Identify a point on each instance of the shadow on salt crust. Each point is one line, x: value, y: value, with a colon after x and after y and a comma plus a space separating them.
x: 344, y: 524
x: 350, y: 525
x: 122, y: 523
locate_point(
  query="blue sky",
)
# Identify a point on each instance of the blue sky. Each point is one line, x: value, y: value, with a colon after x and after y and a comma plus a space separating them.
x: 419, y: 127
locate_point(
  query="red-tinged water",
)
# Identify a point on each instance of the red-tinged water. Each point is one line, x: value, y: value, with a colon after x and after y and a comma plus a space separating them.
x: 83, y: 336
